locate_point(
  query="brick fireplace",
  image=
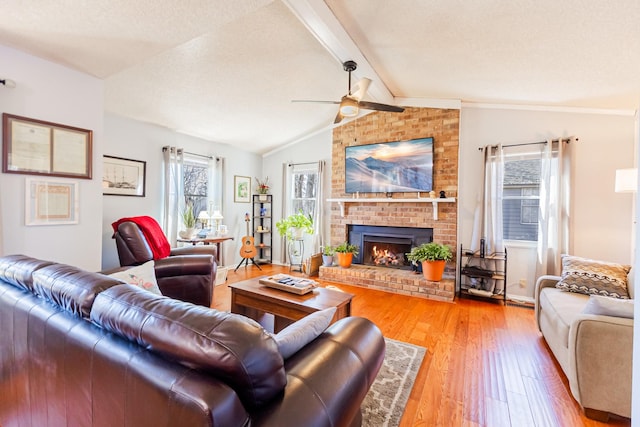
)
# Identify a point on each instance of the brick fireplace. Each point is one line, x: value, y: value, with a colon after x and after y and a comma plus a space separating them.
x: 443, y: 126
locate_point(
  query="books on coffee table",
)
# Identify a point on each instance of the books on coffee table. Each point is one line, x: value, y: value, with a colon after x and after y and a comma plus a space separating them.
x: 284, y: 282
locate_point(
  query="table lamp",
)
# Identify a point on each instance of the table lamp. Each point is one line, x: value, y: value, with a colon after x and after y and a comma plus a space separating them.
x: 203, y: 217
x: 217, y: 217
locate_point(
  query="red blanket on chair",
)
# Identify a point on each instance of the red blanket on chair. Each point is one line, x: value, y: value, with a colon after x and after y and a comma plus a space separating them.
x: 152, y: 232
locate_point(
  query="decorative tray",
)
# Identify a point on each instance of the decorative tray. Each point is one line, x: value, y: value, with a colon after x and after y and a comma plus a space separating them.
x: 284, y: 282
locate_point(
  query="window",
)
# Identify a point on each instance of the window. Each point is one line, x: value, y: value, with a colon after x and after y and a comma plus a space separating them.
x: 521, y: 198
x: 196, y: 182
x: 303, y: 191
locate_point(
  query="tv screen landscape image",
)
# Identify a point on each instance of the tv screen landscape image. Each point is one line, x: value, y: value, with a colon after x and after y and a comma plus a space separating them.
x: 390, y: 167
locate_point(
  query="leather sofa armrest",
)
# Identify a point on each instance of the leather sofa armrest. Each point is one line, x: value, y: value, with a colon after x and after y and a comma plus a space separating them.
x: 185, y: 265
x: 547, y: 281
x: 189, y: 278
x: 328, y: 378
x: 196, y: 250
x: 600, y: 362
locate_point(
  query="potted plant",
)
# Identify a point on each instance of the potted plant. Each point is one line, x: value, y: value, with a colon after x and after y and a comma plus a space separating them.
x: 433, y: 257
x: 345, y: 252
x: 327, y: 256
x: 294, y: 226
x: 189, y: 221
x: 262, y: 188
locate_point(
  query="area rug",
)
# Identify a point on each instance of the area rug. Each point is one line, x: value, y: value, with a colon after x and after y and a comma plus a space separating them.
x: 384, y: 404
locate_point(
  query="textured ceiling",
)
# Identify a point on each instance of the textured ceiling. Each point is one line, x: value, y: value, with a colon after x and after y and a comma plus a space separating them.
x: 226, y: 71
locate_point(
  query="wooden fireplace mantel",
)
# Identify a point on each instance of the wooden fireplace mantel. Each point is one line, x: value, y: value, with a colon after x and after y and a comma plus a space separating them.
x: 342, y: 201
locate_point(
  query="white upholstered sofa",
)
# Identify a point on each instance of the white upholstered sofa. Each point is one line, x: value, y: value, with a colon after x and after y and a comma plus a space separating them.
x: 595, y: 351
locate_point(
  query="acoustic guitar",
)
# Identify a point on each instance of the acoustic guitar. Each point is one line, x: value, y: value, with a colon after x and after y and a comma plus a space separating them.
x: 248, y: 248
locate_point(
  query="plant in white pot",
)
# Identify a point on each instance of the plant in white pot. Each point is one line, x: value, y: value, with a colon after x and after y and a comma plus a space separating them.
x: 294, y: 226
x: 262, y: 188
x: 189, y: 221
x: 433, y: 257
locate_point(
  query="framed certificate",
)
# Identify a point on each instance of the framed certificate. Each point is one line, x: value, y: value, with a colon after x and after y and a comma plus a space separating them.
x: 37, y: 147
x: 50, y: 202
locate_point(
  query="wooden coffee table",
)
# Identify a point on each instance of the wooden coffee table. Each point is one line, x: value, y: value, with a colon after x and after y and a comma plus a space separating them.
x: 275, y: 309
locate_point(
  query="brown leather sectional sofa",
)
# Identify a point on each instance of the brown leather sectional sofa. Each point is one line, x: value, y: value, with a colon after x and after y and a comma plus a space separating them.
x: 81, y: 348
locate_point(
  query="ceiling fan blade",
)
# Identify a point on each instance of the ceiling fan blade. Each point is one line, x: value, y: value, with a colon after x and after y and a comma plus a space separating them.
x: 360, y: 88
x: 315, y: 101
x: 380, y: 107
x: 339, y: 118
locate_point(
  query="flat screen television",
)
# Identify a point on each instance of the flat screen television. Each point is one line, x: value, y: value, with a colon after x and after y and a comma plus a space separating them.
x: 390, y: 167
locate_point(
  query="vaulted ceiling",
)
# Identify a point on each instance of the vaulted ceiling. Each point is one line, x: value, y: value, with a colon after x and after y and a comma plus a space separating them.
x: 226, y: 71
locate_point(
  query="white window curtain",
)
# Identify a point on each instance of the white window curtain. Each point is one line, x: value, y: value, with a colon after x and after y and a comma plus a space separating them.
x: 318, y: 218
x: 554, y: 214
x: 308, y: 196
x: 487, y: 224
x: 173, y: 192
x: 216, y: 184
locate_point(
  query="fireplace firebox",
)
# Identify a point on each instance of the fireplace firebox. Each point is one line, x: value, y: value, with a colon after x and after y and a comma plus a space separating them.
x: 384, y: 246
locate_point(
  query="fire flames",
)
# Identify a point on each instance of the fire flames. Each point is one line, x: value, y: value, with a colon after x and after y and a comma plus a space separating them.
x: 386, y: 257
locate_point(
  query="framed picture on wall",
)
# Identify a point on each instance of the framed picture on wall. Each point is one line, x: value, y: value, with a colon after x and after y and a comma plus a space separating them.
x: 36, y: 147
x: 241, y: 189
x: 123, y: 177
x: 51, y: 202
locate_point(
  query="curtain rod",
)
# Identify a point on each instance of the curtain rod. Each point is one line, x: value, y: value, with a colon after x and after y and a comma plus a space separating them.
x: 567, y: 140
x: 201, y: 155
x: 167, y: 147
x: 300, y: 164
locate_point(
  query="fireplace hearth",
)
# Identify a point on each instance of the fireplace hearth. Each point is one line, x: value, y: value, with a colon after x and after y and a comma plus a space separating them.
x: 383, y: 246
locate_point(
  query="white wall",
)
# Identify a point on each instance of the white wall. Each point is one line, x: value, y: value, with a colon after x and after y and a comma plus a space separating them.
x: 313, y: 149
x: 635, y: 391
x: 53, y: 93
x: 601, y: 221
x: 141, y: 141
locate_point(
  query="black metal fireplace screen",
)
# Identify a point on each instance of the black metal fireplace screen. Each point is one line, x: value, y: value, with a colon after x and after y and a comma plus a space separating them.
x: 386, y: 246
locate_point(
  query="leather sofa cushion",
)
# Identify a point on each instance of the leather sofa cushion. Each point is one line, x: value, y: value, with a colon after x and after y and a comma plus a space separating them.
x: 18, y: 270
x: 234, y: 348
x: 71, y: 288
x: 563, y: 308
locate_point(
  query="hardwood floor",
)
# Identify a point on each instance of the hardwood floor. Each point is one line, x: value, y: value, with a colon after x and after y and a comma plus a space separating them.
x: 486, y: 363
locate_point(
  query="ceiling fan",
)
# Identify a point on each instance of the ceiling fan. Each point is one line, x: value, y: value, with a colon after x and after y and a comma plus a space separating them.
x: 352, y: 102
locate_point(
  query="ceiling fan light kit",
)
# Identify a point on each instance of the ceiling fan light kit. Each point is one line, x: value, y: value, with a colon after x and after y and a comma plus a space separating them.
x: 351, y: 103
x: 349, y: 107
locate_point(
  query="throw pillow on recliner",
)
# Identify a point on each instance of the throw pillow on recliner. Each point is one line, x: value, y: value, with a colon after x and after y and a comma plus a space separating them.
x: 142, y: 276
x: 591, y: 277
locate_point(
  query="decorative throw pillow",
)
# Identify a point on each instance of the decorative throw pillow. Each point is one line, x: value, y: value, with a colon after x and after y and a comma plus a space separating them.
x: 143, y: 276
x: 587, y: 276
x: 300, y: 333
x: 606, y: 306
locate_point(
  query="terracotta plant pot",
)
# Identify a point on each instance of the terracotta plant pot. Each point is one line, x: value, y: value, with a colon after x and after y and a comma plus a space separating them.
x: 344, y: 259
x: 433, y: 270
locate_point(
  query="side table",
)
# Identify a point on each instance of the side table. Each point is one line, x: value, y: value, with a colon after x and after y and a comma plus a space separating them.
x: 208, y: 241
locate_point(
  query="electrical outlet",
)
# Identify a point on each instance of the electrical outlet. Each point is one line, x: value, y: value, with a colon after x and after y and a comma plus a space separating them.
x: 523, y: 283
